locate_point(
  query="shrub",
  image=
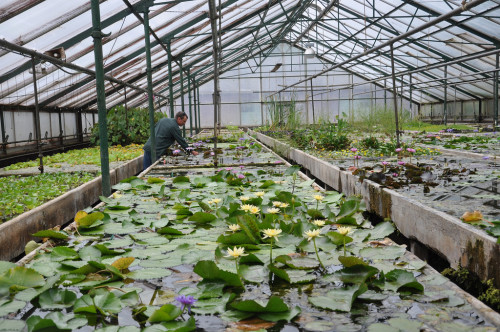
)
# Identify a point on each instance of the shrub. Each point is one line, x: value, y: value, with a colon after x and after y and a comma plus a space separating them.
x: 126, y: 126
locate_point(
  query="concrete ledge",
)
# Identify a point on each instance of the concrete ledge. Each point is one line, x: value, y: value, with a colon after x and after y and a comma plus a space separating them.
x: 458, y: 242
x: 15, y: 233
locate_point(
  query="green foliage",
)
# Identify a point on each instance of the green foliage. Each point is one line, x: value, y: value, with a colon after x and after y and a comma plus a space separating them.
x: 126, y: 126
x: 20, y: 194
x: 283, y: 114
x: 331, y: 136
x: 380, y: 120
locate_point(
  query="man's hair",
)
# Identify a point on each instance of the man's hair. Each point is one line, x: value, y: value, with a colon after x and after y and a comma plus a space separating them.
x: 180, y: 115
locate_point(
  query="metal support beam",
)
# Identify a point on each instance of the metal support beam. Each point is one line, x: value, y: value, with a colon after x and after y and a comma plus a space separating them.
x: 215, y: 54
x: 190, y: 105
x: 199, y: 107
x: 182, y: 94
x: 170, y: 80
x: 2, y: 125
x: 495, y: 94
x: 37, y: 117
x: 445, y: 103
x: 151, y: 108
x: 394, y: 96
x: 101, y: 102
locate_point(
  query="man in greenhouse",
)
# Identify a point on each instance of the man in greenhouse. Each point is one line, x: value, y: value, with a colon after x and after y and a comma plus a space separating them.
x: 167, y: 131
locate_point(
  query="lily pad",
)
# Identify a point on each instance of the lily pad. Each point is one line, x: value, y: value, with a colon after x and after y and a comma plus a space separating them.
x: 20, y: 277
x: 340, y: 299
x: 274, y: 304
x: 100, y: 301
x: 149, y: 273
x: 59, y: 235
x: 10, y: 306
x: 166, y: 313
x: 357, y: 274
x: 397, y: 280
x: 389, y: 252
x: 209, y: 271
x: 202, y: 217
x: 55, y: 321
x: 56, y: 299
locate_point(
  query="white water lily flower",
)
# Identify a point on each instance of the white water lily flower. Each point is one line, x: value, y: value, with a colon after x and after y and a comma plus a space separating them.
x: 271, y: 233
x: 318, y: 197
x: 284, y: 205
x: 236, y: 252
x: 234, y: 227
x: 319, y: 223
x: 216, y: 200
x: 246, y: 207
x: 254, y: 210
x: 273, y: 210
x: 311, y: 234
x: 277, y: 204
x: 259, y: 193
x: 343, y: 230
x: 244, y: 198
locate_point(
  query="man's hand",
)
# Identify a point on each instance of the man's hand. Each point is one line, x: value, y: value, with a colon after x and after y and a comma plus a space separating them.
x: 195, y: 153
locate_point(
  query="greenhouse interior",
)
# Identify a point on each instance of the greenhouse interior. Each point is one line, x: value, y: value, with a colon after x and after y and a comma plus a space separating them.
x: 222, y: 165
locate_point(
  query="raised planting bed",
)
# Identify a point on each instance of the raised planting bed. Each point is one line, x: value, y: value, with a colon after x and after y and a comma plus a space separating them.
x: 460, y: 243
x: 207, y: 249
x: 17, y: 232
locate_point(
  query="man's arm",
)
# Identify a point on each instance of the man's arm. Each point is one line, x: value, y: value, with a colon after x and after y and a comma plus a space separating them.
x: 178, y: 137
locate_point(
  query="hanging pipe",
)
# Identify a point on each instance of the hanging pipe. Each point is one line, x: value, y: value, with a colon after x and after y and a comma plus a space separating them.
x: 182, y: 94
x: 101, y: 97
x: 495, y: 95
x: 394, y: 96
x: 150, y: 84
x: 445, y: 103
x: 170, y: 81
x: 215, y: 54
x: 189, y: 98
x: 37, y: 117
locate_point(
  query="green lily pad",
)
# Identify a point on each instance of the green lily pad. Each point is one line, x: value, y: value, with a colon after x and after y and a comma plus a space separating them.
x: 202, y: 217
x: 56, y: 298
x: 340, y: 299
x: 12, y: 325
x: 152, y: 180
x: 274, y: 304
x: 348, y: 208
x: 90, y: 219
x: 349, y: 261
x: 149, y: 273
x: 292, y: 276
x: 20, y: 277
x: 209, y: 271
x: 254, y: 273
x: 357, y: 274
x: 10, y: 306
x: 5, y: 266
x: 59, y: 235
x: 119, y: 329
x: 166, y: 313
x: 389, y: 252
x: 63, y: 253
x: 277, y: 316
x: 397, y: 280
x: 55, y: 321
x: 212, y: 305
x: 338, y: 239
x: 100, y: 301
x: 300, y: 262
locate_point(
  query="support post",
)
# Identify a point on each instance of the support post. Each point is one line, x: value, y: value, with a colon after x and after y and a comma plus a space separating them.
x: 394, y: 95
x: 182, y: 93
x: 170, y: 81
x: 150, y: 84
x: 495, y: 95
x: 445, y: 103
x: 411, y: 97
x: 195, y: 95
x: 199, y: 107
x: 101, y: 97
x: 37, y: 117
x: 2, y: 124
x: 190, y: 105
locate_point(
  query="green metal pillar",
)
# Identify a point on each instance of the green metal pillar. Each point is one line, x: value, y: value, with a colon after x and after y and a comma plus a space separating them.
x: 445, y: 104
x: 182, y: 94
x: 395, y: 96
x: 170, y: 81
x: 199, y: 103
x: 101, y: 97
x: 196, y: 129
x: 190, y: 105
x: 495, y: 96
x: 150, y: 84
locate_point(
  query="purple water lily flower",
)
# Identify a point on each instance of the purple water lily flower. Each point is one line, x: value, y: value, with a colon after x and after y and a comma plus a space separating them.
x: 486, y: 157
x: 354, y: 149
x: 242, y: 138
x: 241, y: 176
x: 186, y: 301
x: 410, y: 150
x: 212, y: 153
x: 228, y: 168
x: 176, y: 152
x: 385, y: 163
x: 401, y: 162
x: 395, y: 175
x: 399, y: 149
x: 277, y: 161
x: 357, y: 157
x: 450, y: 130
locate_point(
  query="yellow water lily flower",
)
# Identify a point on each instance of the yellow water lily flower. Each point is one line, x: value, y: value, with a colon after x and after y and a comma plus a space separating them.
x: 318, y: 197
x: 273, y: 210
x: 210, y: 202
x: 254, y: 210
x: 311, y: 234
x: 116, y: 195
x: 284, y: 205
x: 234, y: 227
x: 244, y: 198
x: 277, y: 204
x: 246, y: 207
x: 259, y: 193
x: 236, y: 252
x: 216, y: 200
x: 319, y: 223
x: 343, y: 230
x: 271, y: 233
